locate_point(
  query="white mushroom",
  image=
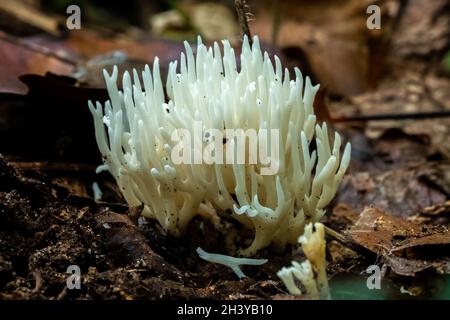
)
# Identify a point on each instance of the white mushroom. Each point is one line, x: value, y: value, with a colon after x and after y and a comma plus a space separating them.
x: 142, y: 138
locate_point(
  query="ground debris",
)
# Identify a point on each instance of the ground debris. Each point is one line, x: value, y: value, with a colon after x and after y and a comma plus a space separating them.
x: 401, y: 243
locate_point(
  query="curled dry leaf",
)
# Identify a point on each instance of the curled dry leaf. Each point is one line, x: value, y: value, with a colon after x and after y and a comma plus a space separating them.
x: 399, y: 241
x: 409, y: 267
x: 437, y: 209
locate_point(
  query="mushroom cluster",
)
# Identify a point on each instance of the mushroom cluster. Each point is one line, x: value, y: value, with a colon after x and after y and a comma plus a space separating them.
x: 165, y: 153
x: 311, y: 273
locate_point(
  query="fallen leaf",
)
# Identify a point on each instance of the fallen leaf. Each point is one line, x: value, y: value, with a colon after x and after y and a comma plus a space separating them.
x: 90, y: 44
x: 333, y: 37
x: 393, y: 237
x: 400, y: 192
x: 407, y: 89
x: 17, y: 60
x: 409, y: 267
x: 213, y: 20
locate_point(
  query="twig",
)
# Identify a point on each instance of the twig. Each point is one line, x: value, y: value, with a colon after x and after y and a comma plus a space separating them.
x: 349, y: 243
x: 333, y: 233
x: 395, y: 116
x: 275, y: 22
x: 243, y: 13
x: 54, y: 166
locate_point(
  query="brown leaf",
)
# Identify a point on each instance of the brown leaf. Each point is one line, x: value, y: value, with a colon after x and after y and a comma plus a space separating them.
x: 332, y: 35
x: 406, y: 267
x: 378, y: 231
x: 339, y: 64
x: 408, y: 88
x: 391, y: 237
x: 212, y: 20
x: 90, y: 44
x: 17, y: 60
x: 383, y: 233
x: 437, y: 238
x: 400, y: 192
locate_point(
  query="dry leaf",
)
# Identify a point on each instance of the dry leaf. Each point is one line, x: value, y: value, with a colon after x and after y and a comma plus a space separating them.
x: 332, y: 35
x: 391, y: 237
x: 17, y: 60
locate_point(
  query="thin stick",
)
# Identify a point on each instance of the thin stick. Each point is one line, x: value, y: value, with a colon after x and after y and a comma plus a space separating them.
x: 54, y: 166
x: 243, y: 13
x: 275, y: 22
x: 349, y: 243
x: 395, y: 116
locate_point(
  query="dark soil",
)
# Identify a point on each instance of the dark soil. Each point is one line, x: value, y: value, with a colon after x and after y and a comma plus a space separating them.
x: 44, y: 229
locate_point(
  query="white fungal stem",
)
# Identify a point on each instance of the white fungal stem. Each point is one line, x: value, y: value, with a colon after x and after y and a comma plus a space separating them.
x: 231, y: 262
x: 312, y: 272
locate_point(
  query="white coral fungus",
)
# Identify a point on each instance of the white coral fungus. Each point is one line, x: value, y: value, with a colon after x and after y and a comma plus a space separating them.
x: 231, y: 262
x: 312, y: 272
x: 134, y: 132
